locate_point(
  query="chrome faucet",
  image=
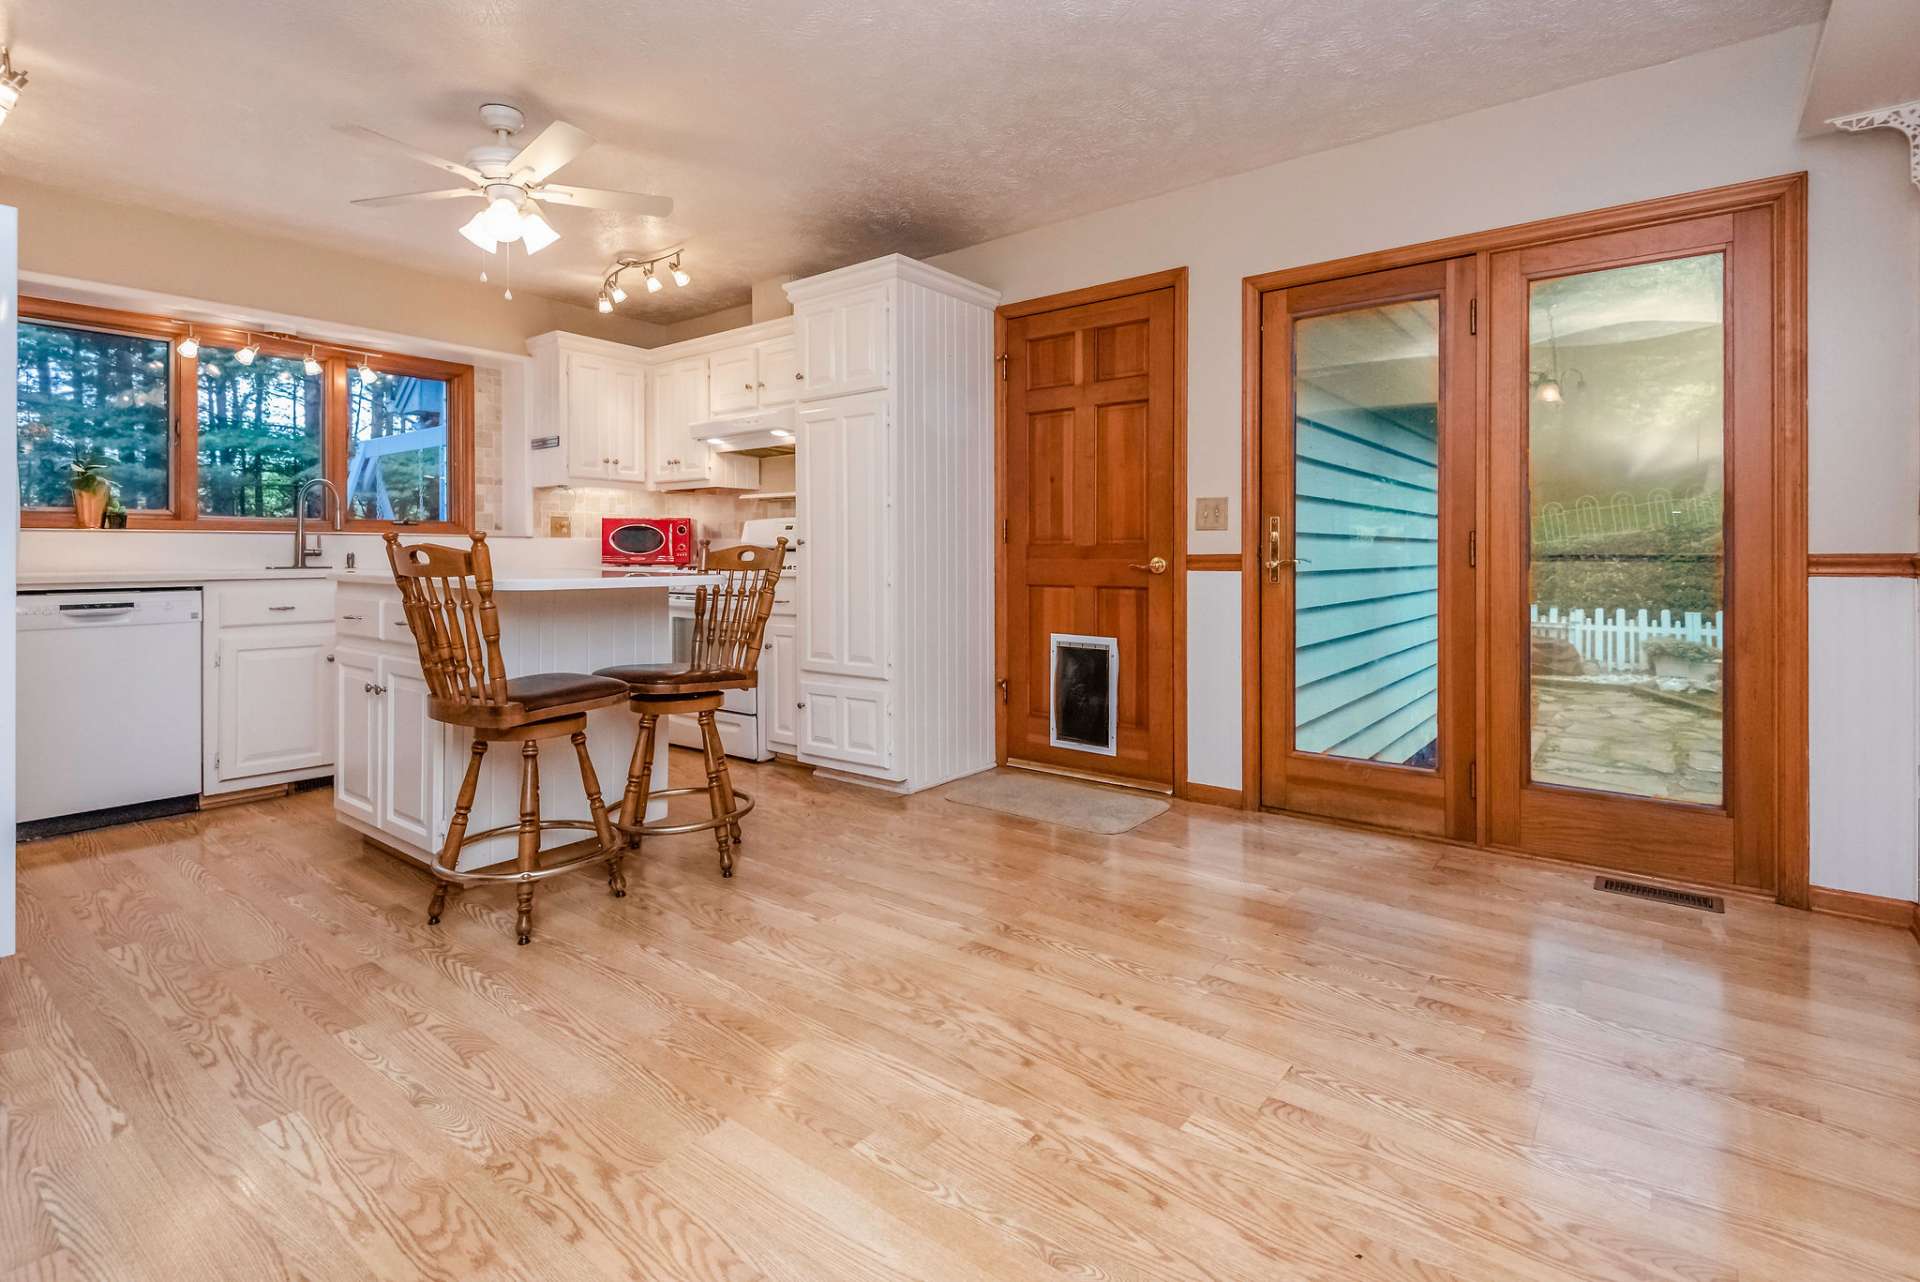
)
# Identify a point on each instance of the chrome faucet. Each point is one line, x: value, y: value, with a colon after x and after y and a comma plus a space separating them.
x: 300, y: 549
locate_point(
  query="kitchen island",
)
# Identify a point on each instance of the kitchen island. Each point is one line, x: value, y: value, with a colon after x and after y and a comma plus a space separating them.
x: 397, y: 770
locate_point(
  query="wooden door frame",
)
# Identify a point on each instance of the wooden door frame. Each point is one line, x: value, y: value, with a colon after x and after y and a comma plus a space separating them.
x: 1784, y: 198
x: 1174, y: 278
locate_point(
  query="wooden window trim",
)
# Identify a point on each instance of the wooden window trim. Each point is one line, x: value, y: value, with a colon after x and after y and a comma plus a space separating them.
x: 183, y: 512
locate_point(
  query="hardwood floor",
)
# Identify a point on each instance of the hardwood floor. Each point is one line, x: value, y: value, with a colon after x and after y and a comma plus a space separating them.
x: 916, y: 1040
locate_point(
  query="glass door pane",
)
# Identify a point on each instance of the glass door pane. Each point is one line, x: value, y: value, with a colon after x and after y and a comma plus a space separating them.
x: 1626, y: 462
x: 1366, y: 660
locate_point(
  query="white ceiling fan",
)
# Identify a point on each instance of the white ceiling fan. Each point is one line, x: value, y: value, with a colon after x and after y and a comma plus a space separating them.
x: 509, y: 180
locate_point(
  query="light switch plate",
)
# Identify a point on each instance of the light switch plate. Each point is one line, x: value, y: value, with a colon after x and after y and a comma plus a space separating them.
x: 1209, y: 514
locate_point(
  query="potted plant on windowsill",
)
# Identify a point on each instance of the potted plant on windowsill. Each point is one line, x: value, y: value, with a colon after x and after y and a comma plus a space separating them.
x: 87, y: 475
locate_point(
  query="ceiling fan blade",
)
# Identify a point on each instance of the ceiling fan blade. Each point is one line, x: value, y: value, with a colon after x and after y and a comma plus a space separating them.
x: 415, y: 197
x: 626, y: 202
x: 557, y: 144
x: 454, y: 167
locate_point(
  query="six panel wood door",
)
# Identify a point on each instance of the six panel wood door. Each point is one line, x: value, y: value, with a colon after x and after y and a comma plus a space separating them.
x: 1366, y: 593
x: 1090, y: 509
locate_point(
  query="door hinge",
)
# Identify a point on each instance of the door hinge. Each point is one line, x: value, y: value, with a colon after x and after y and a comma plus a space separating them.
x: 216, y: 658
x: 1473, y: 548
x: 1002, y: 358
x: 1004, y: 524
x: 1473, y: 782
x: 1001, y: 685
x: 216, y: 763
x: 1473, y: 316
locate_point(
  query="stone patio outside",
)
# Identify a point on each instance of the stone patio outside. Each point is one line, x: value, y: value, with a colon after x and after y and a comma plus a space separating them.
x: 1617, y: 738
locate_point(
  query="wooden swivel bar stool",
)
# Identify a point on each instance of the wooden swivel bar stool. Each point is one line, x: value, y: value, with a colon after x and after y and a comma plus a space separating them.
x: 728, y: 622
x: 448, y: 595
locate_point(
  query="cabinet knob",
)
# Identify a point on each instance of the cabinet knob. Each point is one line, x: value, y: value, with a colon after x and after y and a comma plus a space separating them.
x: 797, y: 376
x: 747, y: 386
x: 801, y: 704
x: 760, y: 385
x: 368, y: 687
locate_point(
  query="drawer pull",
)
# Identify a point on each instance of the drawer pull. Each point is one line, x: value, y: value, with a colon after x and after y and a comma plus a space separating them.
x: 354, y: 618
x: 279, y: 609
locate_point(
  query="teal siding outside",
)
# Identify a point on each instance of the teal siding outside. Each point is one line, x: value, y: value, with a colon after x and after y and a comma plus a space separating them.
x: 1366, y: 594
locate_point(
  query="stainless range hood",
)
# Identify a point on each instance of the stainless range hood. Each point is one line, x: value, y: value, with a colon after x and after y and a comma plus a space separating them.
x: 767, y: 434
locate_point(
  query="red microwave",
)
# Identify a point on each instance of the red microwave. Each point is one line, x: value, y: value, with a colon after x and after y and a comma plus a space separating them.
x: 646, y: 540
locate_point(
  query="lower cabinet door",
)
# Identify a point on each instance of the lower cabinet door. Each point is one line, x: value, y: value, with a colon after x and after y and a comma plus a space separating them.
x: 410, y: 739
x: 846, y: 723
x: 780, y: 685
x: 276, y: 701
x: 357, y: 752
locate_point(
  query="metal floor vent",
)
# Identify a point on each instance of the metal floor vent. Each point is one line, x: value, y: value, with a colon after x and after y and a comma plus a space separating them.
x: 1661, y: 894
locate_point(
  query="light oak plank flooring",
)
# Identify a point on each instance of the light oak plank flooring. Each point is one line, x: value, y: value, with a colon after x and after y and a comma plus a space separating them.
x: 914, y: 1041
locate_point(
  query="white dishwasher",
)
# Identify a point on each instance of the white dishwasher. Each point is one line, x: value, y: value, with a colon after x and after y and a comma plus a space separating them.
x: 109, y: 699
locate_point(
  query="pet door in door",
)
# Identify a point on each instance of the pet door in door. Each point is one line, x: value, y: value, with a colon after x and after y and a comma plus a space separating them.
x: 1085, y: 702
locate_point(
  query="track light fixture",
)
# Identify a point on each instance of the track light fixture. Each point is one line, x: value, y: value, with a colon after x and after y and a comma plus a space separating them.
x: 249, y: 353
x: 11, y: 82
x: 189, y: 346
x: 312, y: 363
x: 611, y: 291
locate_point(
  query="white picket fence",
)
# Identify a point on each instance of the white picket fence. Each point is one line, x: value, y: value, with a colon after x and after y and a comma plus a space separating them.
x: 1616, y: 641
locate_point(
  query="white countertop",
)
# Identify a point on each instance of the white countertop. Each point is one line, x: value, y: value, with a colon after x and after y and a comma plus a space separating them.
x: 574, y: 580
x: 157, y: 578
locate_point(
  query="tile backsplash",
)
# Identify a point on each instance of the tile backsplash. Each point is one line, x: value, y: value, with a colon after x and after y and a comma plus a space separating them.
x: 575, y: 511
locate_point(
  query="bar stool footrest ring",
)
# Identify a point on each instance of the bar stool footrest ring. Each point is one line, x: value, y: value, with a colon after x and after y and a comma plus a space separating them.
x: 742, y: 804
x: 515, y: 875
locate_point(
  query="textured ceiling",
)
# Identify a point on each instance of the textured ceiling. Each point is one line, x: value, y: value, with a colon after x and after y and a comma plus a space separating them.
x: 795, y: 135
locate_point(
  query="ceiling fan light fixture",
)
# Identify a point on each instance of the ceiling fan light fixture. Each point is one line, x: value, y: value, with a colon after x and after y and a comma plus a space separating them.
x: 536, y: 233
x: 11, y: 82
x: 476, y: 231
x: 503, y: 219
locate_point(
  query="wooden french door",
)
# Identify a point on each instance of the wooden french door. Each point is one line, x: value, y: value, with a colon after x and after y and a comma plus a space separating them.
x: 1366, y: 587
x: 1089, y: 465
x: 1632, y: 557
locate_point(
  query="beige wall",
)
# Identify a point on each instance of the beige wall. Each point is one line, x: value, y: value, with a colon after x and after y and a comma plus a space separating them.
x: 1720, y: 117
x: 131, y: 246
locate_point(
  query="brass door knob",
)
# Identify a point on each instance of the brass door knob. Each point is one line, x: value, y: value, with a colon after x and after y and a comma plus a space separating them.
x: 1156, y: 566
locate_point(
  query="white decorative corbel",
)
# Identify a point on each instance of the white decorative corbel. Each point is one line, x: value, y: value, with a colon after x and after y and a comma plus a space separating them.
x: 1905, y: 118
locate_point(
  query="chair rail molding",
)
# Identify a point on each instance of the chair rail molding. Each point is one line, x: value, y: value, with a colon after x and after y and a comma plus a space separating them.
x: 1905, y: 118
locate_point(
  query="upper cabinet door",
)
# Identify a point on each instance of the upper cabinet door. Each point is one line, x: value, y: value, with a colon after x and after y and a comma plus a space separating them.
x: 625, y: 434
x: 583, y: 388
x: 734, y: 380
x: 844, y: 343
x: 680, y: 400
x: 779, y: 371
x: 846, y: 508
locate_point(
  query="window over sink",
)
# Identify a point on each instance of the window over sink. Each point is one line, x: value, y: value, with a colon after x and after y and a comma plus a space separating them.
x: 204, y: 438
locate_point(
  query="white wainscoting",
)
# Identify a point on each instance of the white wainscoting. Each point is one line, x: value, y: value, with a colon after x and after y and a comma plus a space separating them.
x: 1862, y: 695
x: 1215, y: 688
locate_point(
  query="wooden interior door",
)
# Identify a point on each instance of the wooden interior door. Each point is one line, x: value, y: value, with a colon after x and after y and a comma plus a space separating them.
x: 1091, y: 539
x: 1632, y: 553
x: 1366, y: 583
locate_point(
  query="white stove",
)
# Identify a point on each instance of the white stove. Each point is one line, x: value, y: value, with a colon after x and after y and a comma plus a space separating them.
x: 743, y: 727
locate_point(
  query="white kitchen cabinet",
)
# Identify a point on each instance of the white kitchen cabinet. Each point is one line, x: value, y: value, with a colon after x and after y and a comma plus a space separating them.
x: 407, y: 769
x: 846, y: 723
x: 267, y: 692
x: 844, y: 342
x: 359, y: 730
x: 894, y: 479
x: 780, y: 374
x: 590, y: 400
x: 275, y: 694
x: 842, y: 477
x: 780, y: 685
x: 733, y: 380
x: 679, y: 401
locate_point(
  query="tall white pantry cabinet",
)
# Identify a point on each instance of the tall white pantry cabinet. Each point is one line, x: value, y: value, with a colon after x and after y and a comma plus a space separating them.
x: 894, y: 474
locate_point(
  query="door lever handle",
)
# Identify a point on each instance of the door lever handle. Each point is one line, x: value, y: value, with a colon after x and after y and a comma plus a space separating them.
x: 1156, y: 566
x: 1274, y: 560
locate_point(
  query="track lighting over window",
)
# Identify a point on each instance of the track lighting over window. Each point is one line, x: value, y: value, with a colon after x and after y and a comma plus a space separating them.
x: 11, y: 82
x: 612, y: 292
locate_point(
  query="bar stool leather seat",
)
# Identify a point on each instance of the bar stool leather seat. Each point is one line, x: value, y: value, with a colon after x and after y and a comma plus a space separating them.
x: 678, y: 678
x: 547, y: 691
